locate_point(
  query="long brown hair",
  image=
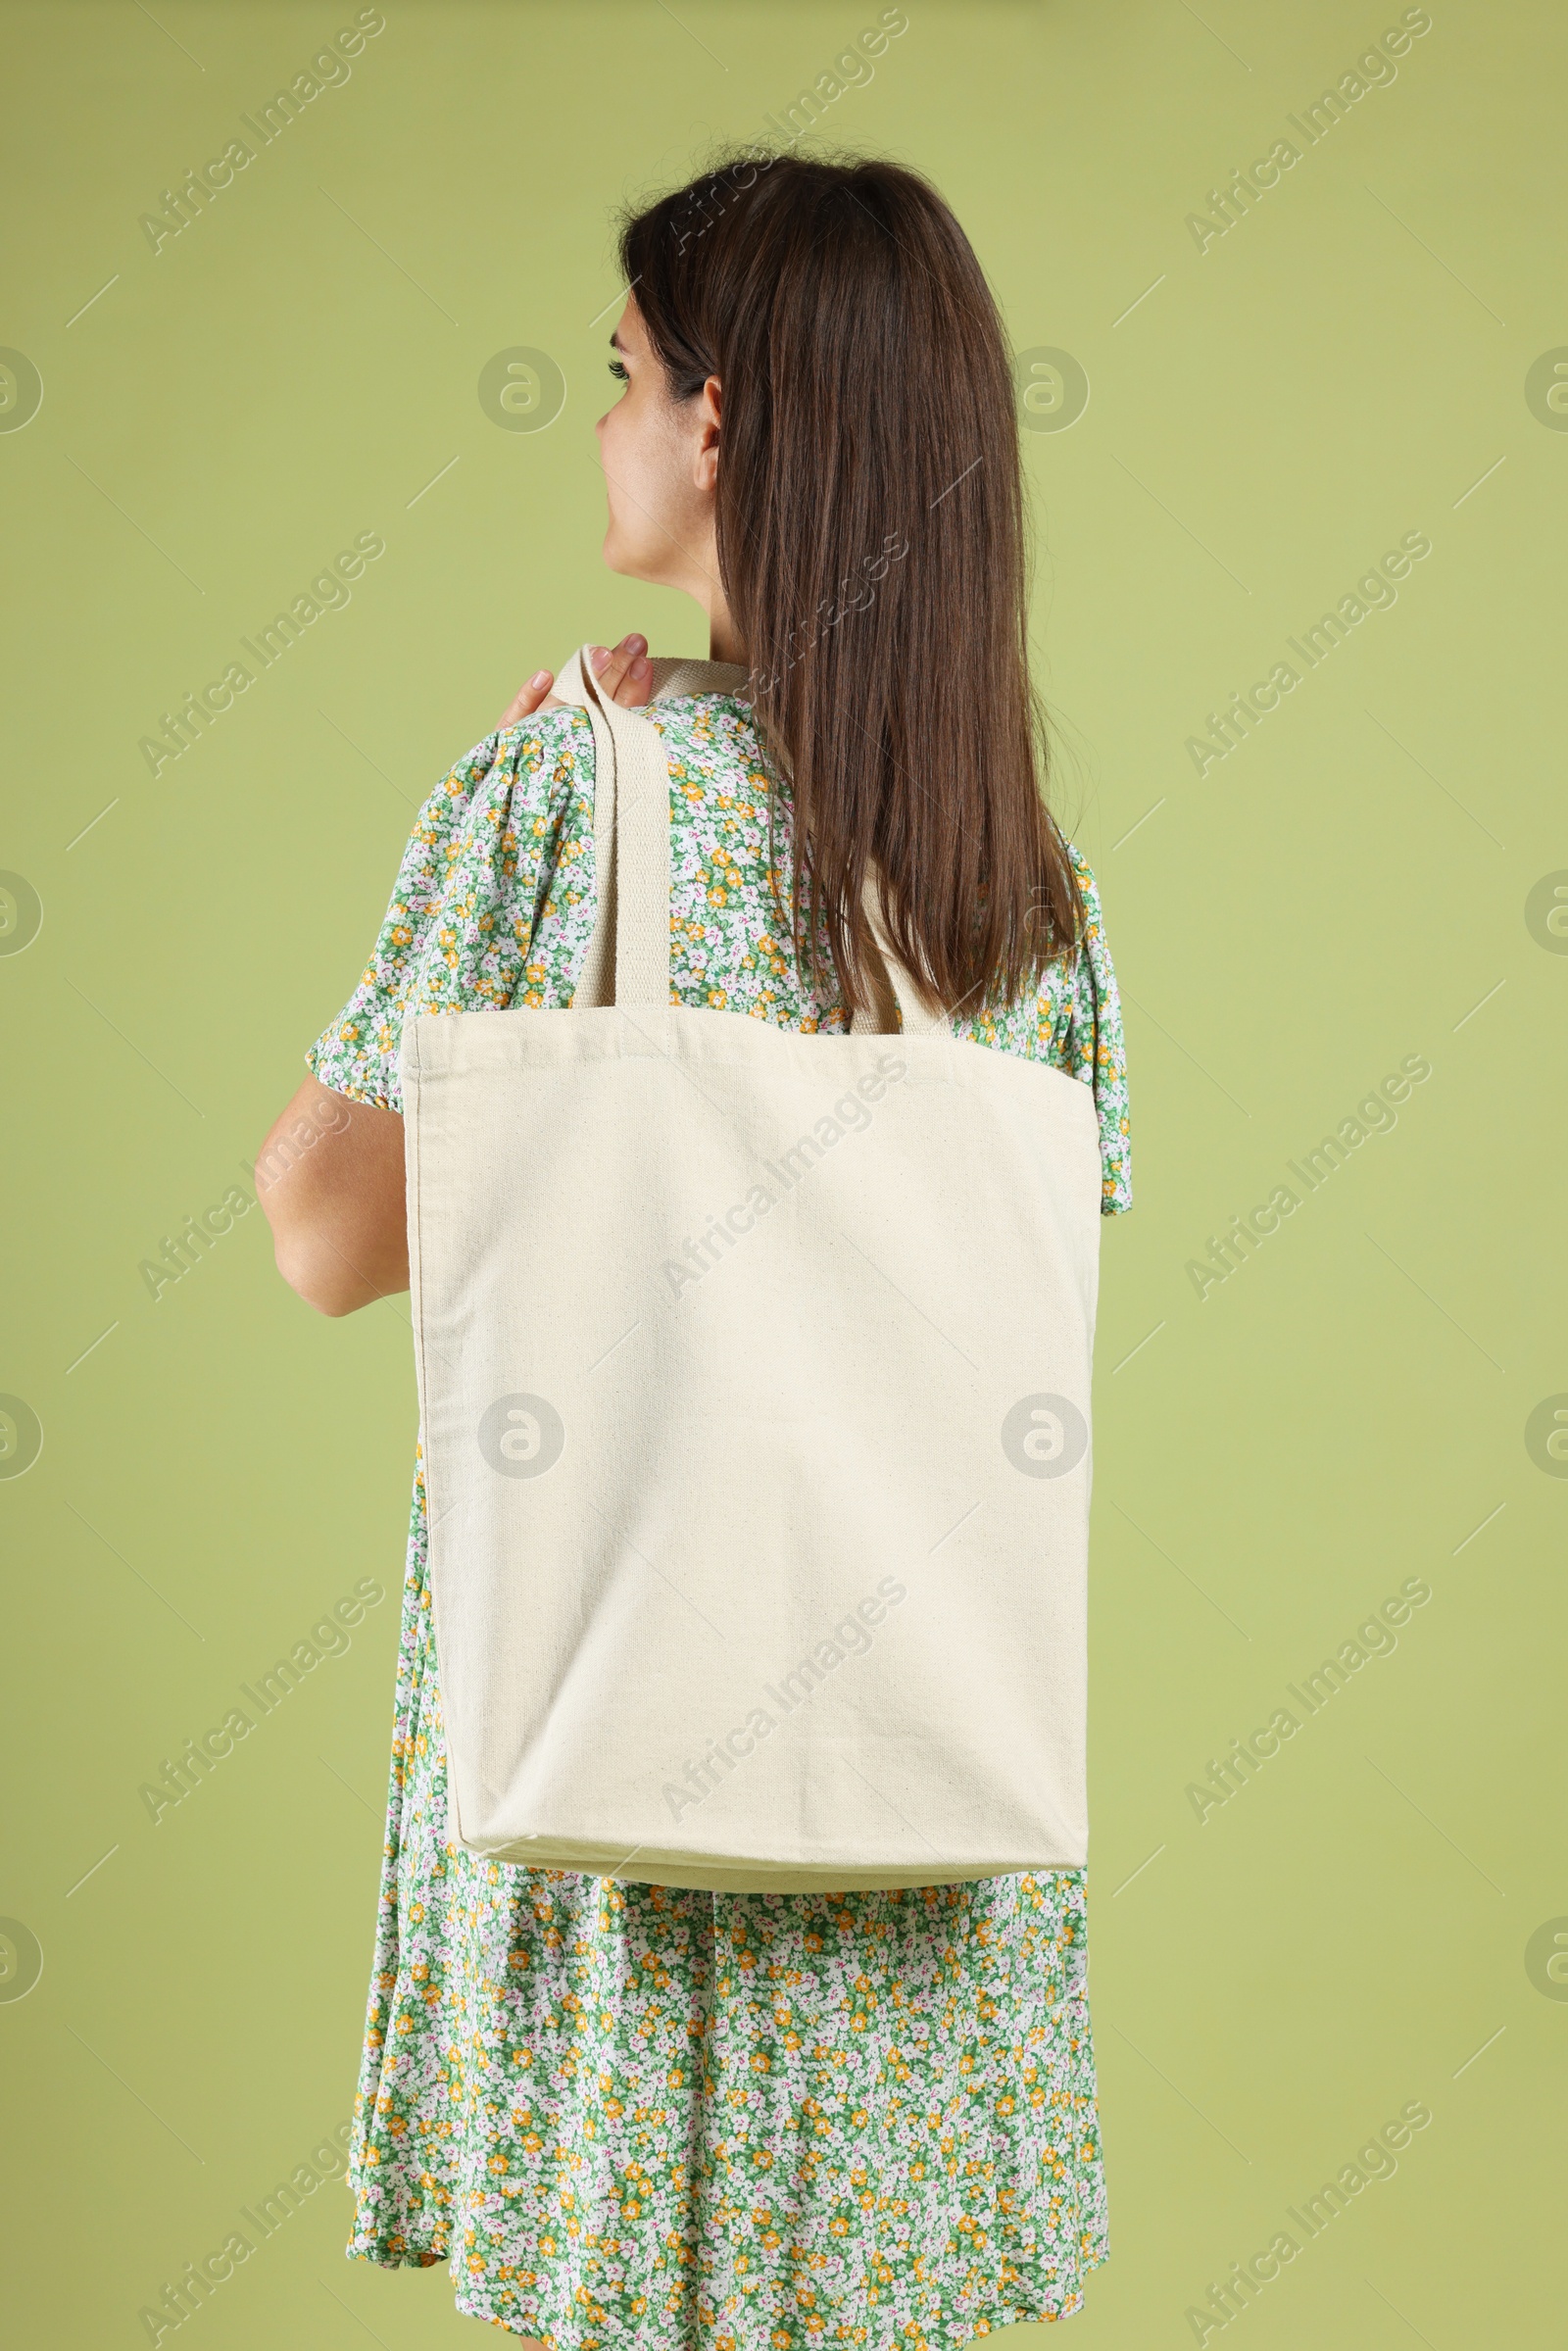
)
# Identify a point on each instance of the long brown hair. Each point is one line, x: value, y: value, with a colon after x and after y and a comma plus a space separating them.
x: 872, y: 548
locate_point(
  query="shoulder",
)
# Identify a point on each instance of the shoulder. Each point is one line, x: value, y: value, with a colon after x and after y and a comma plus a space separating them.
x: 723, y: 787
x: 1093, y: 1044
x: 528, y: 772
x: 706, y: 733
x: 558, y: 744
x: 1087, y: 975
x: 1088, y: 964
x: 1088, y: 888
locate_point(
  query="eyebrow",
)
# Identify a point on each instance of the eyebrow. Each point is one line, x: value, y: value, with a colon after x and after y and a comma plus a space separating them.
x: 615, y: 343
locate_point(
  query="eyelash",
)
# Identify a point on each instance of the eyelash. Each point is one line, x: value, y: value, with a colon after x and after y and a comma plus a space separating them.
x: 618, y: 370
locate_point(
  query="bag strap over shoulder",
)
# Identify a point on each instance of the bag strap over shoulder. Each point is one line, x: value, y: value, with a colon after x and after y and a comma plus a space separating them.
x: 627, y: 961
x: 914, y: 1018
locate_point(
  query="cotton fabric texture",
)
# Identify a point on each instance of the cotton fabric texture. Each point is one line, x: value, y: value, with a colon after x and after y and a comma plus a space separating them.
x: 692, y: 2120
x: 715, y: 1616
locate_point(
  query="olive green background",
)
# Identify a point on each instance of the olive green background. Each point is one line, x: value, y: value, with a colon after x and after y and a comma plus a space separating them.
x: 1348, y: 887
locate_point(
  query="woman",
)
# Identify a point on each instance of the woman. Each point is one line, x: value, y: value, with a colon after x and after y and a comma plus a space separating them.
x: 627, y: 2112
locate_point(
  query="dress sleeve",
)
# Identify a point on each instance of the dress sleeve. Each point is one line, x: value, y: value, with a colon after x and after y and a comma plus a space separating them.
x: 1096, y: 1049
x: 458, y: 932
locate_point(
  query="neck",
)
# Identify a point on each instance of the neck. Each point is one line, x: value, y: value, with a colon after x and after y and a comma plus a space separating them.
x: 724, y: 638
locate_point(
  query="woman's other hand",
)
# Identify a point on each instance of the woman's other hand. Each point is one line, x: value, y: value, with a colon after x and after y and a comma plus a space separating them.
x: 623, y: 673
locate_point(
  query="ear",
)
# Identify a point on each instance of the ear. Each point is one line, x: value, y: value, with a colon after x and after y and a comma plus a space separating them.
x: 710, y: 410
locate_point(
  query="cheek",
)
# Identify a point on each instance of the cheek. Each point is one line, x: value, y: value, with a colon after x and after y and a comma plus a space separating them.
x: 611, y: 424
x: 622, y: 445
x: 641, y: 478
x: 620, y: 456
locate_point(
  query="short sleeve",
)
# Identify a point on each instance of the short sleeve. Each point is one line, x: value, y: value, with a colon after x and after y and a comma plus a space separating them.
x: 485, y: 849
x: 1095, y: 1048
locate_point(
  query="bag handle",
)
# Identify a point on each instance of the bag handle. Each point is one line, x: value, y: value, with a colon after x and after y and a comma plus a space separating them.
x: 914, y: 1018
x: 627, y: 960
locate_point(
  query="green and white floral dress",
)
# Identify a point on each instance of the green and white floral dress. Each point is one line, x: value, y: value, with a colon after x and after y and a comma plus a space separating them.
x: 631, y: 2114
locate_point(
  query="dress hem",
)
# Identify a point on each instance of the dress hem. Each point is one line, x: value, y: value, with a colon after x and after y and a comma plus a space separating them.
x: 471, y: 2305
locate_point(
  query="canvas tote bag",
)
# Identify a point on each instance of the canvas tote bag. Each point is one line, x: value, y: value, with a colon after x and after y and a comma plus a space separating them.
x: 754, y: 1378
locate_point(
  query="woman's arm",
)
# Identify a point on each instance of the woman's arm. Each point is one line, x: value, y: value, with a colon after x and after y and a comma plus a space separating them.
x: 336, y: 1201
x: 329, y: 1176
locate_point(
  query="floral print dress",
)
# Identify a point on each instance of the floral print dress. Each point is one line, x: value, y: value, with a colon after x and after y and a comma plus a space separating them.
x: 634, y: 2114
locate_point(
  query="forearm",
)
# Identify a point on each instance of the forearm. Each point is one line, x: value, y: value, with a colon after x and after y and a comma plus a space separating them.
x: 329, y: 1178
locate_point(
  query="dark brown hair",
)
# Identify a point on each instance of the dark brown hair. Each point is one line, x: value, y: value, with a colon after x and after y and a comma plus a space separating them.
x: 872, y: 548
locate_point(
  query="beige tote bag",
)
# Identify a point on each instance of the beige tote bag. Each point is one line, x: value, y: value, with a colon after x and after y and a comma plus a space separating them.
x: 753, y: 1375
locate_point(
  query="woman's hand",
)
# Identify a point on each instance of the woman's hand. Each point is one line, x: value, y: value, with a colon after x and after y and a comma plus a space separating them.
x: 623, y: 673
